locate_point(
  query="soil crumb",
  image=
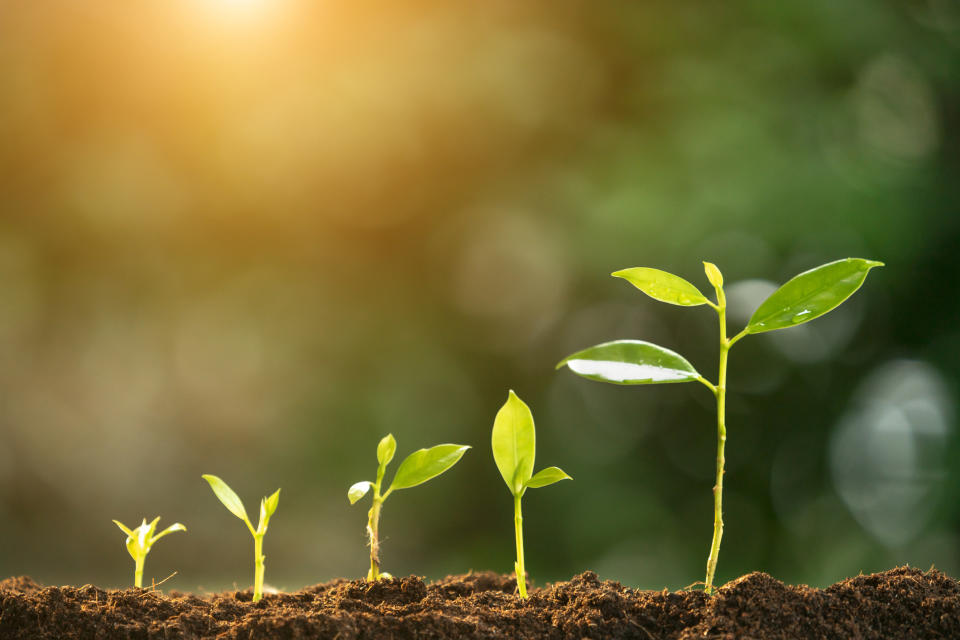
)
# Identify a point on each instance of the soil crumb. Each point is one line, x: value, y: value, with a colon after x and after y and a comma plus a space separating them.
x: 902, y: 603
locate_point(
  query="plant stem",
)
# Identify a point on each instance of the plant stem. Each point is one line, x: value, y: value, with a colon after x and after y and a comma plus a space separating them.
x: 373, y: 526
x: 721, y: 393
x: 258, y: 558
x: 138, y: 572
x: 518, y: 567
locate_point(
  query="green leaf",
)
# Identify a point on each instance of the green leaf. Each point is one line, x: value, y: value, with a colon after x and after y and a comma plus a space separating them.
x: 171, y: 529
x: 123, y: 528
x: 630, y: 362
x: 272, y: 502
x: 811, y: 294
x: 547, y: 476
x: 662, y: 286
x: 424, y: 464
x: 713, y: 274
x: 152, y: 527
x: 227, y: 496
x: 386, y: 449
x: 358, y: 490
x: 514, y: 442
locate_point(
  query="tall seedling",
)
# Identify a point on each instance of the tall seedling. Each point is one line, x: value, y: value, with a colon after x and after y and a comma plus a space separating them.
x: 805, y: 297
x: 417, y: 468
x: 514, y: 443
x: 234, y: 505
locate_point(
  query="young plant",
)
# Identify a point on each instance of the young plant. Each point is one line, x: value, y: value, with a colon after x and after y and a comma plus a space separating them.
x: 417, y: 468
x: 233, y: 504
x: 514, y: 443
x: 140, y: 540
x: 807, y: 296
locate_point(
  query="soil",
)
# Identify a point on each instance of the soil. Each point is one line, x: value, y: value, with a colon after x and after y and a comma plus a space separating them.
x: 900, y: 603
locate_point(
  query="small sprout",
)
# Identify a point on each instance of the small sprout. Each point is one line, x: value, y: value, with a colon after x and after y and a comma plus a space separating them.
x: 514, y: 448
x: 233, y: 504
x: 140, y: 540
x: 805, y: 297
x: 417, y: 468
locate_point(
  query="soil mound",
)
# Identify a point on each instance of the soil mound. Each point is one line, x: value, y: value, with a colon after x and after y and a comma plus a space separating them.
x: 902, y: 603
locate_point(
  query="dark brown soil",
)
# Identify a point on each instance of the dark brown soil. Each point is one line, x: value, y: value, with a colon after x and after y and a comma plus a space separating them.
x: 901, y: 603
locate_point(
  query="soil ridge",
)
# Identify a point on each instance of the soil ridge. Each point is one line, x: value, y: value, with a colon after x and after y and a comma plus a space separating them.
x: 900, y: 603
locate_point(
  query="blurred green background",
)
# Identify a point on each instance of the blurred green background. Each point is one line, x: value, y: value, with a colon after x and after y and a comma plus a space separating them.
x: 251, y: 237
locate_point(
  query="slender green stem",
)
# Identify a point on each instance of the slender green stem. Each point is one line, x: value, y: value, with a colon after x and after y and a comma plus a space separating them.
x: 518, y: 567
x: 138, y: 571
x: 721, y: 394
x: 259, y: 559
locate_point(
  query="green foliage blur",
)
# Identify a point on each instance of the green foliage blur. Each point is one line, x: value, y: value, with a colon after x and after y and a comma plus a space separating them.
x: 250, y: 237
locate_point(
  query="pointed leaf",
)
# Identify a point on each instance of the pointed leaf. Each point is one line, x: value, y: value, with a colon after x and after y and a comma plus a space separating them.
x: 425, y: 464
x: 811, y: 294
x: 630, y: 362
x: 123, y: 527
x: 272, y: 502
x: 227, y: 496
x: 547, y: 476
x: 713, y: 274
x: 386, y: 449
x: 358, y: 490
x: 152, y: 527
x: 514, y: 442
x: 662, y: 286
x: 171, y: 529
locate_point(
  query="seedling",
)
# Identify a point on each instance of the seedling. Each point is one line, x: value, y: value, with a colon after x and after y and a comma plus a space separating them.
x: 234, y: 505
x: 417, y: 468
x: 140, y: 540
x: 514, y: 443
x: 805, y: 297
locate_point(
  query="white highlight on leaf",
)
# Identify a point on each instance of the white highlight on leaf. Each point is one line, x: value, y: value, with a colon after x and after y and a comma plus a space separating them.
x: 626, y: 371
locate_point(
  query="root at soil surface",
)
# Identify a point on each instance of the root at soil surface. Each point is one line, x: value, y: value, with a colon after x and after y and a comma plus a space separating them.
x: 901, y: 603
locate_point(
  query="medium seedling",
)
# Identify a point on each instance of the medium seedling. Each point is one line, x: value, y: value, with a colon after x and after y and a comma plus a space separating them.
x: 514, y: 443
x: 234, y: 505
x: 417, y: 468
x: 140, y: 540
x: 805, y: 297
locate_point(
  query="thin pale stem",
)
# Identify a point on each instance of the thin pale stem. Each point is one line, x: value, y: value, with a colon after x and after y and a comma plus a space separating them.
x: 259, y: 559
x: 373, y: 527
x: 518, y: 567
x: 721, y: 394
x: 138, y: 572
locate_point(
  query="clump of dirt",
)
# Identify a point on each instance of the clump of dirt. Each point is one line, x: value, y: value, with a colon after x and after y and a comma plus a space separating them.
x: 901, y: 603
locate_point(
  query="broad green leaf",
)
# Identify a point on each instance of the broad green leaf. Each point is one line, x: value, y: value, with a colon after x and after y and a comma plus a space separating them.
x: 547, y: 476
x: 662, y: 286
x: 713, y: 274
x: 630, y: 362
x: 123, y: 527
x: 424, y: 464
x: 811, y: 294
x: 514, y: 442
x: 386, y: 449
x: 358, y: 490
x: 227, y: 496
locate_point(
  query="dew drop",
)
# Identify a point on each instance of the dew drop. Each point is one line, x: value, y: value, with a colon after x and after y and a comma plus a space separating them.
x: 800, y: 317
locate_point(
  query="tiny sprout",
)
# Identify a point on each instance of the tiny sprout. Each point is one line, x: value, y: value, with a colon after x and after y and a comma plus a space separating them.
x: 514, y: 448
x: 233, y: 504
x: 417, y: 468
x: 140, y: 540
x: 806, y: 296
